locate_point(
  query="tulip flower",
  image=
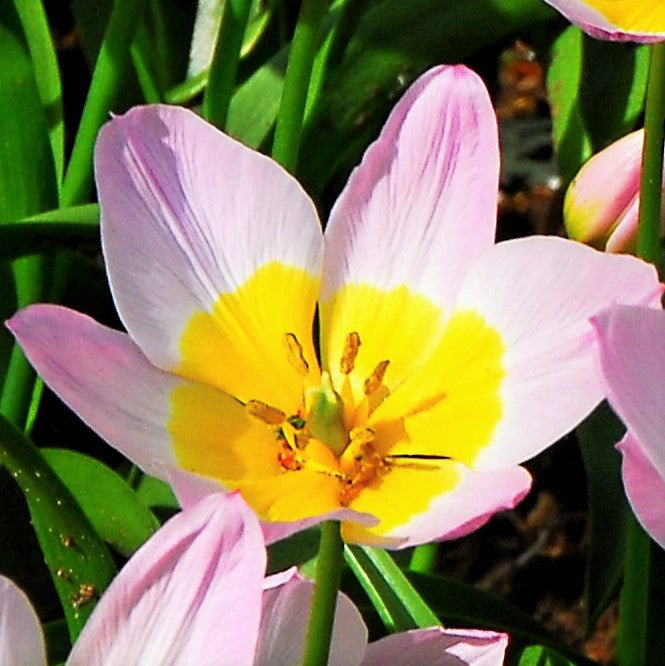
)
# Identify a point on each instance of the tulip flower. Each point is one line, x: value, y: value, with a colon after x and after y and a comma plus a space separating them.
x: 444, y: 360
x: 616, y: 20
x: 602, y: 203
x: 631, y: 344
x: 195, y: 594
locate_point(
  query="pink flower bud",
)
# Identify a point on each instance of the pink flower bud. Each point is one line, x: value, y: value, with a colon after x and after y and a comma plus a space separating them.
x: 602, y: 202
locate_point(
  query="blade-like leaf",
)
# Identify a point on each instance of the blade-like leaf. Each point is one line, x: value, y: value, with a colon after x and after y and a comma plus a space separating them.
x: 27, y: 176
x: 538, y: 655
x: 391, y: 593
x: 461, y: 605
x: 27, y: 185
x: 608, y: 510
x: 47, y: 75
x: 113, y: 509
x: 55, y: 229
x: 79, y: 562
x: 394, y: 42
x: 596, y: 90
x: 156, y: 494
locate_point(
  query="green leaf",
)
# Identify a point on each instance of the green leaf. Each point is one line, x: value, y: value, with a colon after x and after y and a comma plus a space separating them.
x: 47, y: 75
x: 113, y: 509
x: 155, y: 494
x: 461, y: 605
x: 608, y: 510
x: 597, y: 91
x: 393, y: 43
x: 27, y: 185
x: 394, y: 598
x: 21, y: 559
x: 8, y: 306
x: 254, y: 105
x: 58, y: 645
x: 169, y: 25
x: 297, y: 549
x: 27, y: 176
x: 79, y: 563
x: 55, y: 229
x: 539, y: 655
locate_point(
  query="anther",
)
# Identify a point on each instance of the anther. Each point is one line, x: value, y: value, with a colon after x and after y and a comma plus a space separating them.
x: 374, y: 381
x: 270, y: 415
x: 294, y: 354
x: 360, y: 437
x: 350, y: 352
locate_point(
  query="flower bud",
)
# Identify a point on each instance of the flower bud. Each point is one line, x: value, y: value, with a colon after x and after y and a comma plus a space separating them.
x: 602, y: 202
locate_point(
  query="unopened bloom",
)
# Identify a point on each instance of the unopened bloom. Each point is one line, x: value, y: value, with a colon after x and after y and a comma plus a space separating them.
x: 445, y: 360
x: 616, y: 20
x: 631, y: 343
x: 195, y: 593
x: 602, y: 203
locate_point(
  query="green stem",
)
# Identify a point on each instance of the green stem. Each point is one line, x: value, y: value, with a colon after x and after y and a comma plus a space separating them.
x: 423, y: 559
x: 640, y: 639
x: 107, y: 80
x: 324, y: 601
x: 651, y: 189
x: 224, y: 65
x: 296, y: 83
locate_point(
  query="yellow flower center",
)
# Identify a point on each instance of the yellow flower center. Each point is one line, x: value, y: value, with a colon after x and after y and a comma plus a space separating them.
x: 330, y: 435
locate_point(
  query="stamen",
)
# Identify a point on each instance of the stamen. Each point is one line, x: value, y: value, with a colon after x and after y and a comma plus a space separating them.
x: 350, y: 352
x: 270, y: 415
x: 294, y: 354
x: 374, y: 381
x: 359, y: 437
x: 289, y: 459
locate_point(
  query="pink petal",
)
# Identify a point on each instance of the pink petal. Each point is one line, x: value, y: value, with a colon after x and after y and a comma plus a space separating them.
x: 452, y: 515
x: 539, y: 293
x: 645, y: 488
x: 439, y: 647
x: 190, y: 595
x: 101, y: 375
x: 632, y: 360
x: 286, y: 608
x: 596, y: 24
x: 21, y: 638
x: 189, y: 214
x: 277, y: 531
x: 421, y: 207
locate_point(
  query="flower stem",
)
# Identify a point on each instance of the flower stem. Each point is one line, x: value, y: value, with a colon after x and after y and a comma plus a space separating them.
x: 224, y: 66
x: 324, y: 601
x: 651, y: 189
x: 296, y: 83
x: 107, y: 80
x: 640, y: 639
x: 640, y: 636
